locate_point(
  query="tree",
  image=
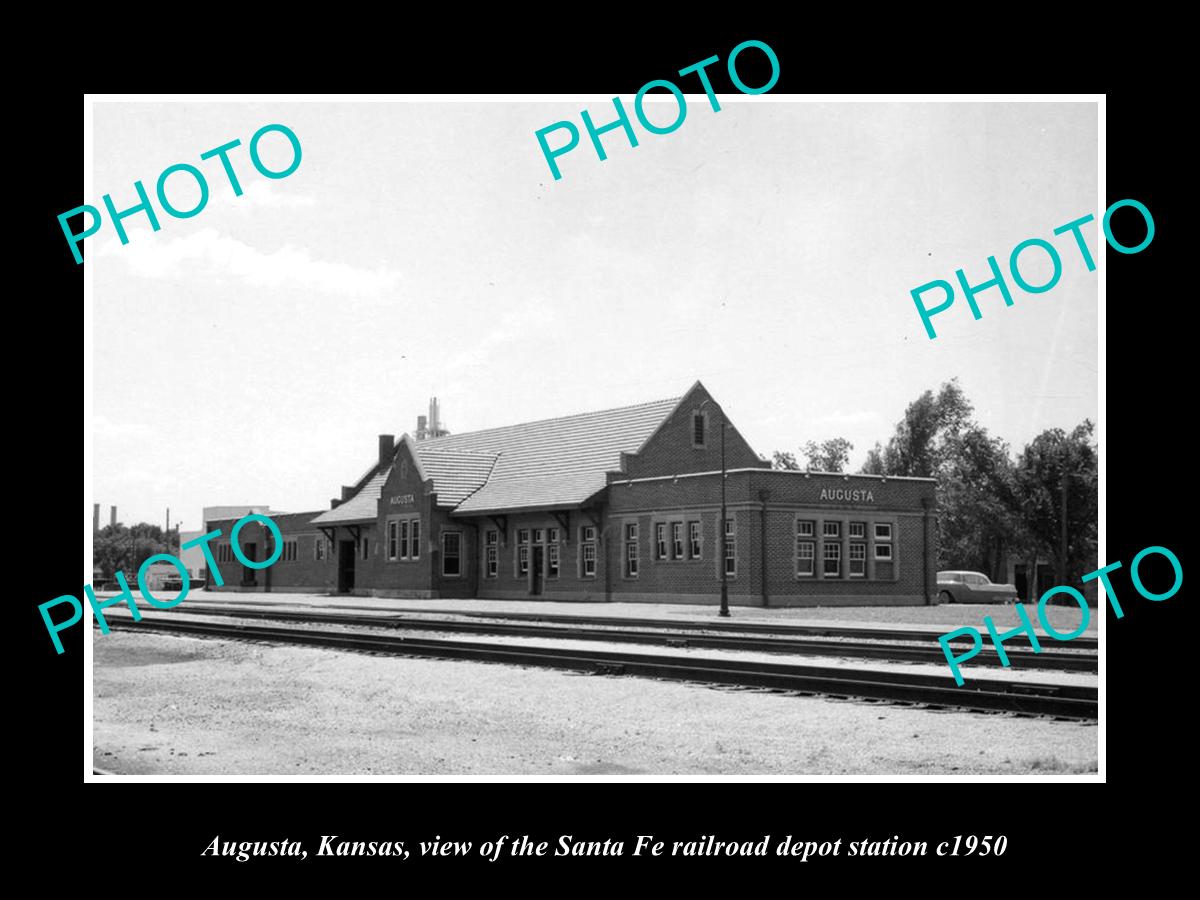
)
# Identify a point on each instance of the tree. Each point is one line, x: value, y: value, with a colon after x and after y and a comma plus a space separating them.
x: 1056, y: 467
x: 922, y: 437
x: 118, y: 548
x: 828, y: 456
x: 874, y: 464
x: 978, y: 514
x: 781, y: 459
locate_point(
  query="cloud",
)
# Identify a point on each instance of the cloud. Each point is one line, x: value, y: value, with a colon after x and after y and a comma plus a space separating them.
x: 208, y: 253
x: 105, y: 428
x: 264, y: 195
x: 526, y: 322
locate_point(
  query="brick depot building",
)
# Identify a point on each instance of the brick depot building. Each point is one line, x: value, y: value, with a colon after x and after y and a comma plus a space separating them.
x: 619, y: 505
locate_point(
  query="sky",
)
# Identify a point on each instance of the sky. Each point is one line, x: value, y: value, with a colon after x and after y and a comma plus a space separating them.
x: 252, y: 353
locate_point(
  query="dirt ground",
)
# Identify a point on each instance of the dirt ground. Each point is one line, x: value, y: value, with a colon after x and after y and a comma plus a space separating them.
x: 180, y: 705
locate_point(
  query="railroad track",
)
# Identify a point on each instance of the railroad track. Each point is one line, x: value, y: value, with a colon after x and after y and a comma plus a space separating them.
x: 735, y: 626
x: 804, y: 645
x: 985, y: 695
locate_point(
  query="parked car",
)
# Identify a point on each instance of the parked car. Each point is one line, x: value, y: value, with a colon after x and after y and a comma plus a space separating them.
x: 973, y: 587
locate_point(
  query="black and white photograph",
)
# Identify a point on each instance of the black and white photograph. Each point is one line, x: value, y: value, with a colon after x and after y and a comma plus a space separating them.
x: 532, y: 437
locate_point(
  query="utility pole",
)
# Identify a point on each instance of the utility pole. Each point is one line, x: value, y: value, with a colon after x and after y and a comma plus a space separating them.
x: 1062, y: 549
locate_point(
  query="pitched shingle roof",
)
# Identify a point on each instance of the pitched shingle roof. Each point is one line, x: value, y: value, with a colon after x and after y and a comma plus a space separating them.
x: 361, y: 507
x: 545, y: 464
x: 554, y: 462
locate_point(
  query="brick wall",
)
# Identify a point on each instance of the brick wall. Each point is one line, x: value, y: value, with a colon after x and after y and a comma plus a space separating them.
x: 305, y: 573
x: 508, y: 583
x: 769, y: 566
x: 671, y: 449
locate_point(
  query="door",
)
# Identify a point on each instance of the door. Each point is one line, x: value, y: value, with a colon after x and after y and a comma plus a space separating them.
x: 346, y: 566
x: 537, y: 567
x: 250, y: 551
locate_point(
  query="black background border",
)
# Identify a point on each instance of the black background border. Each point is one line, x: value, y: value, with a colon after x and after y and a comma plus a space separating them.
x: 168, y: 825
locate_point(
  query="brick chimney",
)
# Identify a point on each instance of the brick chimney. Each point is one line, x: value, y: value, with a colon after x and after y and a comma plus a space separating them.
x: 387, y: 445
x: 347, y: 492
x: 422, y: 431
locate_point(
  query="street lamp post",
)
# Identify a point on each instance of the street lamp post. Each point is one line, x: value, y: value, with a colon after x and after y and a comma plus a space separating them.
x: 724, y: 534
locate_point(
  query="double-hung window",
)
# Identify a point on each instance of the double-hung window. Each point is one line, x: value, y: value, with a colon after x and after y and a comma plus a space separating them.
x: 631, y: 550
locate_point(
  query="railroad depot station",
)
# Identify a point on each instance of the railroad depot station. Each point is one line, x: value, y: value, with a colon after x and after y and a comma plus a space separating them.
x: 618, y: 505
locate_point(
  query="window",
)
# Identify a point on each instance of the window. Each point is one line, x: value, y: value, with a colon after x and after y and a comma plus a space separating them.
x: 883, y: 537
x: 805, y: 528
x: 730, y: 547
x: 677, y: 540
x: 539, y: 535
x: 833, y: 560
x: 416, y: 539
x: 492, y: 541
x: 523, y: 559
x: 366, y: 549
x: 694, y: 539
x: 699, y: 427
x: 858, y: 530
x: 289, y: 551
x: 522, y: 535
x: 552, y: 561
x: 660, y: 540
x: 393, y: 539
x: 552, y: 535
x: 404, y: 539
x: 587, y: 551
x: 806, y: 553
x: 319, y: 548
x: 858, y: 559
x: 831, y: 529
x: 631, y: 550
x: 451, y: 554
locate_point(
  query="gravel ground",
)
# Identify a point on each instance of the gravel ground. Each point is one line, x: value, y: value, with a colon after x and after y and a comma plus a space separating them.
x: 176, y: 705
x: 951, y: 615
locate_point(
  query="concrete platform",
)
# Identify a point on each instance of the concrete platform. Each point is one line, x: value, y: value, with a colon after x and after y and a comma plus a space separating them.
x: 916, y: 618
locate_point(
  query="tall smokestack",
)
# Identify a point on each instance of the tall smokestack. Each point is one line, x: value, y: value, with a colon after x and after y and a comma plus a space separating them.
x: 113, y: 517
x: 95, y: 517
x: 434, y: 425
